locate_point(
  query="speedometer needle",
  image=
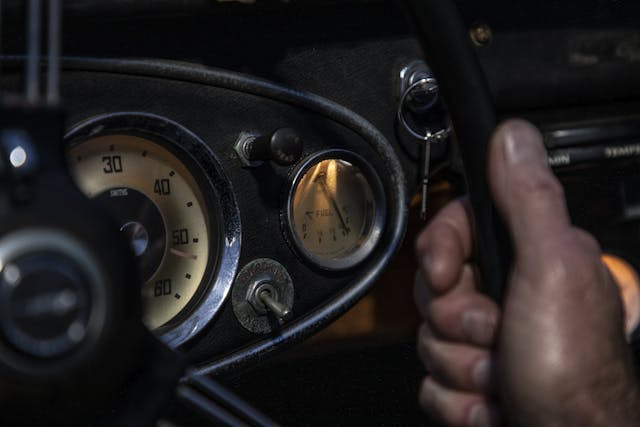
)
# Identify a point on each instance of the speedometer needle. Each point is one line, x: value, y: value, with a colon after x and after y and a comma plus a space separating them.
x: 182, y: 254
x: 322, y: 179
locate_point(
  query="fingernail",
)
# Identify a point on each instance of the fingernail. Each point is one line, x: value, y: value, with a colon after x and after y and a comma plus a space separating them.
x: 479, y: 416
x: 522, y: 144
x: 481, y: 373
x: 478, y: 327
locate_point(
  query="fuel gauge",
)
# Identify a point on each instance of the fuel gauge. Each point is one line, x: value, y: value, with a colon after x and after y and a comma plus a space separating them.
x: 335, y: 211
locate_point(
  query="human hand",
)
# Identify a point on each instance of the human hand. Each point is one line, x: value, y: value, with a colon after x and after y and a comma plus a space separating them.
x: 558, y: 347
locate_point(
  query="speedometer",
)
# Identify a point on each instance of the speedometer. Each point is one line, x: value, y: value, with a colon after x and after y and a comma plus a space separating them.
x: 169, y: 210
x: 161, y: 210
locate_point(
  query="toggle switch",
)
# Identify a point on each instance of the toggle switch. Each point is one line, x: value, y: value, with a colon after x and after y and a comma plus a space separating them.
x: 262, y: 296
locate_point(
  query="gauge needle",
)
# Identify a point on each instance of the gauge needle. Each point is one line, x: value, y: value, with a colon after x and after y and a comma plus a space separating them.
x: 322, y: 179
x: 181, y: 254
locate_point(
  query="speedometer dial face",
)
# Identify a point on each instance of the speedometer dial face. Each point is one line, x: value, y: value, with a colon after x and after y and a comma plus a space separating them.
x: 336, y: 210
x: 160, y: 208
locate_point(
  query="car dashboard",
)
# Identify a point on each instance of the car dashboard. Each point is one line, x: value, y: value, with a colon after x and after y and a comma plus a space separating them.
x: 255, y: 156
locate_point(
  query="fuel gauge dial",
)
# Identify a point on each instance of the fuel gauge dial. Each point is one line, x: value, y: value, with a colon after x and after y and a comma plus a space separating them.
x: 335, y: 211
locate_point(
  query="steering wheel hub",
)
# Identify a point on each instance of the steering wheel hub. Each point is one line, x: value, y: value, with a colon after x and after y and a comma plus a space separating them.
x: 48, y: 290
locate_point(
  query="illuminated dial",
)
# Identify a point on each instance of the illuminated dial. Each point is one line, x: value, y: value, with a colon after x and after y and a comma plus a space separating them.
x: 161, y: 210
x: 335, y: 210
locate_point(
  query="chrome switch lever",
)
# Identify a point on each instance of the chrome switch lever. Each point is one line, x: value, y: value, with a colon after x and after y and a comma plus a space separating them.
x: 276, y: 307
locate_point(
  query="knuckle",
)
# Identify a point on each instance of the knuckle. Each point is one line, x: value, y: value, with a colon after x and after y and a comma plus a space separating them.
x: 537, y: 183
x: 575, y: 261
x: 420, y: 244
x: 421, y: 295
x: 426, y: 396
x: 434, y: 313
x: 463, y: 317
x: 443, y: 315
x: 563, y: 270
x: 432, y: 234
x: 429, y: 356
x: 583, y: 254
x: 587, y: 242
x: 446, y: 367
x: 439, y: 407
x: 431, y: 400
x: 439, y: 233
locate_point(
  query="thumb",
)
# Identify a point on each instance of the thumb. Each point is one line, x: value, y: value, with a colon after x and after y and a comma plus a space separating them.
x: 527, y: 194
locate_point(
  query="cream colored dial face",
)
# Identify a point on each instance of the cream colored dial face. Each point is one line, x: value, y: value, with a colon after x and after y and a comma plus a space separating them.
x: 332, y: 212
x: 161, y: 210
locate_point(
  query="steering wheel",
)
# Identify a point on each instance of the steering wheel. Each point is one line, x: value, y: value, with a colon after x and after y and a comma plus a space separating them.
x: 464, y: 89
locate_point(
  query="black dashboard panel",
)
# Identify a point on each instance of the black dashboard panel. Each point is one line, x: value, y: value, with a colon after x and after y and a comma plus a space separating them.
x: 218, y: 107
x: 559, y: 52
x: 561, y: 64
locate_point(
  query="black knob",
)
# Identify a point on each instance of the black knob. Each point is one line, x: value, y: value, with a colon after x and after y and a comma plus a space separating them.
x: 284, y: 147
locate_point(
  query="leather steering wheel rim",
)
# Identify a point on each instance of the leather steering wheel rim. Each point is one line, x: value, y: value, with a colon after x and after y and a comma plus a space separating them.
x: 464, y: 88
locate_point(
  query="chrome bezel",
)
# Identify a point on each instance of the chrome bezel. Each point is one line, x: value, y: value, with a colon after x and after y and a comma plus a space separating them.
x: 209, y: 303
x: 371, y: 238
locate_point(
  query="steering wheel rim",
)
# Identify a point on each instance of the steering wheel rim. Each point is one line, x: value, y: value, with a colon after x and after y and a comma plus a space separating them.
x: 465, y: 91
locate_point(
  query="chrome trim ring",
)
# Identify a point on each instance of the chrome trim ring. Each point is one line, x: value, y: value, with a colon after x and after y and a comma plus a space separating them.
x: 170, y: 133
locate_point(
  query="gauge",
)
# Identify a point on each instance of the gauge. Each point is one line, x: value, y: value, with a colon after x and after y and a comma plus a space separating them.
x: 160, y: 209
x: 335, y: 211
x: 169, y: 211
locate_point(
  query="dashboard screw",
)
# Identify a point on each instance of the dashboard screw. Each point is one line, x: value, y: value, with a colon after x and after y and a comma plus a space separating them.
x: 481, y: 35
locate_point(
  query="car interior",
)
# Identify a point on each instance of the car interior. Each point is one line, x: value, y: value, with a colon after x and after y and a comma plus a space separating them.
x: 208, y: 208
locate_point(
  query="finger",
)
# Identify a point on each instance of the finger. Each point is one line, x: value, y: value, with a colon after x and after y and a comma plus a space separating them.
x: 456, y: 409
x: 423, y: 296
x: 525, y: 190
x: 445, y: 245
x: 465, y: 316
x: 457, y: 366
